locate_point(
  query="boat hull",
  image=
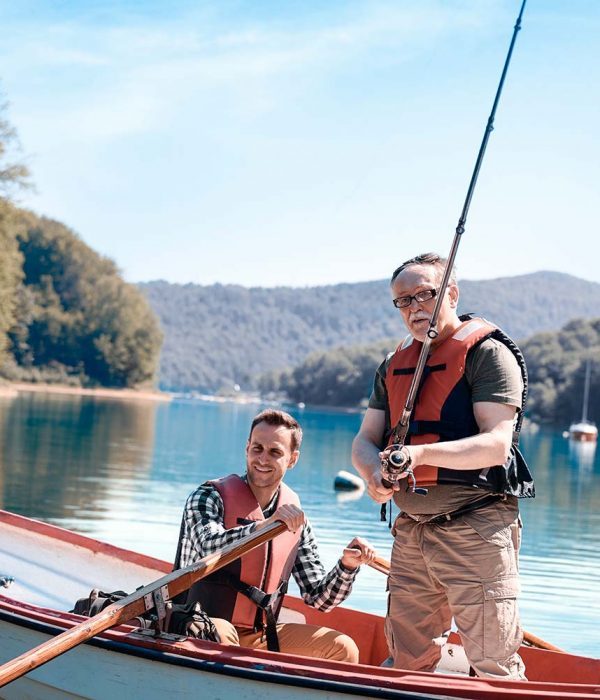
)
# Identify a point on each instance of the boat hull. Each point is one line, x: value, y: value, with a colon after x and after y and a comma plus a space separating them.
x: 121, y: 662
x: 103, y: 669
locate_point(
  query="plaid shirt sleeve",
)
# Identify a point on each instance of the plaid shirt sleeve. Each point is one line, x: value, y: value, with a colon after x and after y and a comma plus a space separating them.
x: 318, y: 589
x: 203, y: 530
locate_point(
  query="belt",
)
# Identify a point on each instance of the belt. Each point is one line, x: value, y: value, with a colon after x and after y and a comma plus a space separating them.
x: 459, y: 512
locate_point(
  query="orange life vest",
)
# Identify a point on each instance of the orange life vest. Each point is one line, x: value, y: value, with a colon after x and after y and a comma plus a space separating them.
x: 266, y: 568
x: 443, y: 407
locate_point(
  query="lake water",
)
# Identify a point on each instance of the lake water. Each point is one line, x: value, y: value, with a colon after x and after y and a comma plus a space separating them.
x: 120, y: 471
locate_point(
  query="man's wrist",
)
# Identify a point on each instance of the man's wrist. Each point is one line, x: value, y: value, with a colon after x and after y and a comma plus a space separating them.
x: 347, y: 569
x: 415, y: 454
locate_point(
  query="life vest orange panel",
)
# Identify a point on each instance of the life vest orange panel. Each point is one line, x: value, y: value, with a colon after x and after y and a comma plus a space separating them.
x: 443, y: 408
x: 266, y: 567
x: 262, y: 567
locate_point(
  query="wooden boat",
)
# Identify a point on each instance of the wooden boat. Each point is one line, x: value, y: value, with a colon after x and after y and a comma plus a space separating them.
x: 52, y: 567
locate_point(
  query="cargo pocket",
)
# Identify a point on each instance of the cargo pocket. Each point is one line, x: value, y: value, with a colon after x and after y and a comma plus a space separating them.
x: 501, y: 629
x: 493, y: 524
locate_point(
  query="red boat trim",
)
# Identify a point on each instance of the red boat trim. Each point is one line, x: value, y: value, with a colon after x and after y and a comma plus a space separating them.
x: 372, y: 681
x: 209, y: 666
x: 263, y: 667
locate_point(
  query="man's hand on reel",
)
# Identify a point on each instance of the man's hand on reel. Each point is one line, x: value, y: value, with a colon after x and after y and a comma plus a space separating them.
x: 396, y: 464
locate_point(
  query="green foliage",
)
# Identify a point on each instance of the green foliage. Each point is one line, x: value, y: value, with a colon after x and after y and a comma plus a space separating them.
x: 340, y: 377
x: 556, y: 364
x: 65, y: 313
x: 11, y: 274
x: 76, y: 318
x: 14, y: 175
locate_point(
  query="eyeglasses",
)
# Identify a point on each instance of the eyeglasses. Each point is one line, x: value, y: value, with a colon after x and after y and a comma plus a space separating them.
x: 425, y: 295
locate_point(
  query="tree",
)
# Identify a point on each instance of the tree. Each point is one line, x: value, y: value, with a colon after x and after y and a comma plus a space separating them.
x: 14, y: 175
x: 76, y: 317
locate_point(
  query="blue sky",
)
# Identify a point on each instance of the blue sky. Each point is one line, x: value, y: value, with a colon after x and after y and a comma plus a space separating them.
x: 301, y: 143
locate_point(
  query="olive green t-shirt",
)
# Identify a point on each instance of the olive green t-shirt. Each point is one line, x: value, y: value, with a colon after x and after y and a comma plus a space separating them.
x: 493, y: 374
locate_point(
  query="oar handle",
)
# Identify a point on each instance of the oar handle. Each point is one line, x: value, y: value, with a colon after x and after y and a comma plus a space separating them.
x: 383, y: 565
x: 534, y: 641
x: 135, y: 604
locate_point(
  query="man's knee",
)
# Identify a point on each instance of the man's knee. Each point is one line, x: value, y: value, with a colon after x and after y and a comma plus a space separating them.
x: 412, y: 639
x: 343, y: 648
x: 318, y: 642
x: 227, y: 632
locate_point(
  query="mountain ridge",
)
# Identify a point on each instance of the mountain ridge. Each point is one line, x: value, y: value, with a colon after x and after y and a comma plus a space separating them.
x: 220, y: 335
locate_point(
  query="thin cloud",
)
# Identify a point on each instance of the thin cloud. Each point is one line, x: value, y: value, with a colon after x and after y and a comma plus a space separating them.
x: 143, y: 73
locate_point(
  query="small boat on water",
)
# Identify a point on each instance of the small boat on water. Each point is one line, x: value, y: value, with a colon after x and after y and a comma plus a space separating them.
x: 44, y: 569
x: 584, y: 430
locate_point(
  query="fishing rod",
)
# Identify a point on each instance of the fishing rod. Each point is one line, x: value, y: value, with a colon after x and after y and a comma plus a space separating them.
x: 398, y: 462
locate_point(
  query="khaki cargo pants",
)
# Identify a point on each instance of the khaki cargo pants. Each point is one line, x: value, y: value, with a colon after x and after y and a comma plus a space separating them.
x: 467, y: 569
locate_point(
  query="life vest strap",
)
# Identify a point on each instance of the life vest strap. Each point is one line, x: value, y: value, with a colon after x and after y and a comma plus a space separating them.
x: 267, y: 602
x: 427, y: 370
x: 445, y: 429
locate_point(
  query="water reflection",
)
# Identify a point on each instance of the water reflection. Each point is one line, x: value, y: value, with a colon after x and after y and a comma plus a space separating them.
x: 558, y: 471
x: 63, y: 455
x: 582, y: 454
x: 346, y: 496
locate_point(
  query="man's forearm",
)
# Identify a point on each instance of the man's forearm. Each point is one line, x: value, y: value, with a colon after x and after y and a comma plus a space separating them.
x: 476, y: 452
x: 365, y: 457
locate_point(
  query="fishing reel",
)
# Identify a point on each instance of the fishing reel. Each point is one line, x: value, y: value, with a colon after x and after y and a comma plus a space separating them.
x: 397, y: 463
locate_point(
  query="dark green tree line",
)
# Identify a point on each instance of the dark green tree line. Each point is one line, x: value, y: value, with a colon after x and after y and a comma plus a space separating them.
x: 65, y: 313
x: 76, y: 314
x: 341, y: 377
x: 14, y: 176
x: 556, y: 364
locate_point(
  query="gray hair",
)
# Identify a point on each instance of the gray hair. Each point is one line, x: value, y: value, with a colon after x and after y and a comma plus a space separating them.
x: 426, y: 259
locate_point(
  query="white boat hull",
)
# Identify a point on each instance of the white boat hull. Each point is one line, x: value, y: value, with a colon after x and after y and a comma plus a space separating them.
x: 98, y: 672
x: 54, y: 567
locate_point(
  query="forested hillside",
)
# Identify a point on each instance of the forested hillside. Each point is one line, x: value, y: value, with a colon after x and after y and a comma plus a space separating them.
x: 76, y: 320
x: 556, y: 363
x: 66, y: 315
x: 220, y: 335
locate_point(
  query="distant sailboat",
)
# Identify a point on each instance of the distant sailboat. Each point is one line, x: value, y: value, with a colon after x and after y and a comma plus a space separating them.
x: 584, y: 430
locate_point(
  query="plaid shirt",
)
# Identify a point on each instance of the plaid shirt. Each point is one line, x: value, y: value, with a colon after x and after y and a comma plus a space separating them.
x: 203, y: 532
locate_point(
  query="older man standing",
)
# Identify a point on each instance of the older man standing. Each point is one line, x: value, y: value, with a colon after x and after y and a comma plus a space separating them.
x: 455, y: 552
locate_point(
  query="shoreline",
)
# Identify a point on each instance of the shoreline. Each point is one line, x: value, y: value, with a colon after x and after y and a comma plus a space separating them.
x: 13, y: 389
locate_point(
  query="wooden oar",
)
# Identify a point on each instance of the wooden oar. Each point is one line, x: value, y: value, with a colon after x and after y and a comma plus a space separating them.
x: 383, y: 565
x: 135, y: 604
